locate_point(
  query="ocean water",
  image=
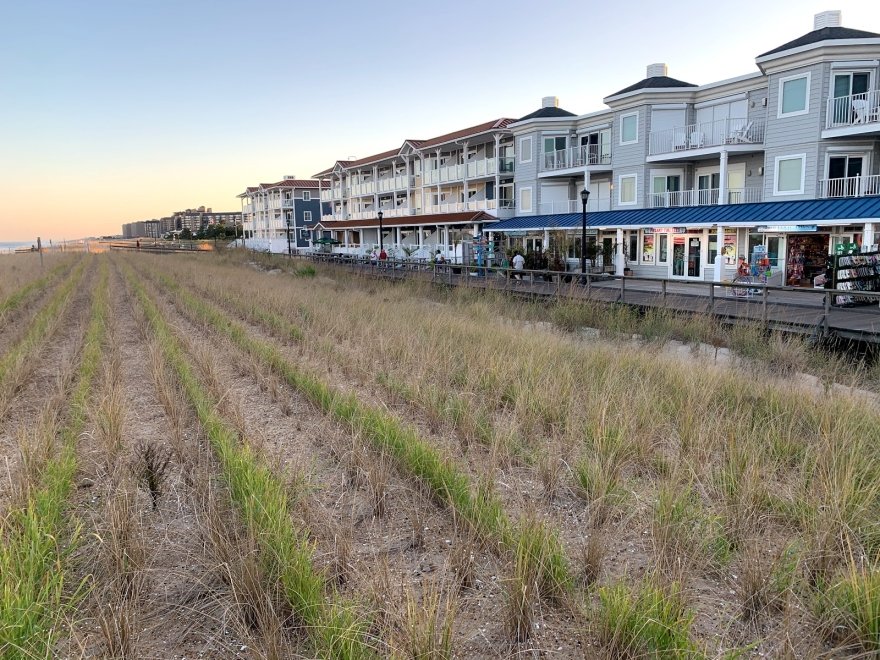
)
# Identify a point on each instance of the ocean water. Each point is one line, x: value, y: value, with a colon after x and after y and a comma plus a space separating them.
x: 9, y: 246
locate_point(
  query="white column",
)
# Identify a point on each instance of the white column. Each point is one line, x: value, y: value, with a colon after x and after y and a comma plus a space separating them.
x: 445, y: 238
x: 546, y: 239
x: 868, y: 234
x: 422, y: 187
x: 397, y: 236
x: 437, y: 160
x: 722, y: 179
x: 618, y: 257
x: 497, y: 174
x: 719, y: 257
x: 408, y: 185
x: 421, y: 231
x: 376, y: 187
x: 464, y: 174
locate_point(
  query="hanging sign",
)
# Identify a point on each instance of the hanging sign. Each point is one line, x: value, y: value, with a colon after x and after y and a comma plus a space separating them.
x: 772, y: 229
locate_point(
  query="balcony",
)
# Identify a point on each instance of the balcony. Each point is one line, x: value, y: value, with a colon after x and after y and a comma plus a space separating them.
x: 287, y: 203
x: 855, y: 114
x: 851, y: 186
x: 393, y: 183
x: 737, y: 134
x: 704, y: 197
x: 362, y: 189
x: 473, y: 169
x: 573, y: 206
x: 506, y: 165
x: 459, y: 207
x: 582, y: 156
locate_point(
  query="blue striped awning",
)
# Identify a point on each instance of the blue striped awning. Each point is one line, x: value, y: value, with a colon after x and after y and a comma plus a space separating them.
x: 808, y: 211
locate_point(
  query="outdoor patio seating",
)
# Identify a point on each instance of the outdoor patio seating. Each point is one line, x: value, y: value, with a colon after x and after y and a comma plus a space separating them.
x: 741, y: 135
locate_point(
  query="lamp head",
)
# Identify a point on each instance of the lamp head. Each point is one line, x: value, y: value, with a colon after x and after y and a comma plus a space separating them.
x: 380, y: 215
x: 585, y: 195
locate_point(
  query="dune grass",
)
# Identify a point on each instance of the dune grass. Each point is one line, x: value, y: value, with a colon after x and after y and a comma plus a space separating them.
x: 37, y: 538
x: 335, y: 629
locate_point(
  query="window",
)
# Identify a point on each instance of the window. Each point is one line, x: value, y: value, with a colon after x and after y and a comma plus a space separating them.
x: 305, y: 234
x: 632, y: 251
x: 662, y: 248
x: 794, y: 95
x: 525, y: 199
x: 648, y: 248
x: 307, y: 195
x: 552, y: 144
x: 629, y: 128
x: 627, y: 189
x: 525, y: 151
x: 307, y: 216
x: 790, y: 175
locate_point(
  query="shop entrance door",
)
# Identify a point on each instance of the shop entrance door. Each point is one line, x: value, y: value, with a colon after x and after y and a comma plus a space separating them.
x: 678, y: 256
x: 693, y: 255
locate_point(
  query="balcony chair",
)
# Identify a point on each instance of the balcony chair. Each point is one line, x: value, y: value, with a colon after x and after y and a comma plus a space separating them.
x: 741, y: 135
x: 860, y: 109
x: 697, y: 139
x: 679, y: 141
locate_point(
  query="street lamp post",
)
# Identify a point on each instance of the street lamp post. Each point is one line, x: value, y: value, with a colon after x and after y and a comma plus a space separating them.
x: 289, y: 249
x: 379, y: 215
x: 585, y: 196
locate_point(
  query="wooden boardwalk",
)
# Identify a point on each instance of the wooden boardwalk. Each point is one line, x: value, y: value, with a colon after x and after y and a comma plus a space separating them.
x: 789, y: 309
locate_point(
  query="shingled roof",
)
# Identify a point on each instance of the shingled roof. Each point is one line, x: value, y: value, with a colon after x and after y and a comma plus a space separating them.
x: 654, y: 82
x: 544, y: 113
x: 823, y: 34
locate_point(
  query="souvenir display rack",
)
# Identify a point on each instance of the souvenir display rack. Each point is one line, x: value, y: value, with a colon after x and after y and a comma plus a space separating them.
x: 859, y: 271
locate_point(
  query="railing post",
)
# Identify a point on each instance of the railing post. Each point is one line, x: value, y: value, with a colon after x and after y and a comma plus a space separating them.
x: 623, y: 289
x: 589, y: 285
x: 827, y: 307
x: 712, y: 298
x: 663, y: 289
x: 764, y: 295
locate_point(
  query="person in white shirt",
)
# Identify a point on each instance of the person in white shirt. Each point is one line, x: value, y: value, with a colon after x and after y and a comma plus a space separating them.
x: 519, y: 263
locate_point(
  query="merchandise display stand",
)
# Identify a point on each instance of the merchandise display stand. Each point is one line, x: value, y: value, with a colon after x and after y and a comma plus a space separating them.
x: 854, y: 271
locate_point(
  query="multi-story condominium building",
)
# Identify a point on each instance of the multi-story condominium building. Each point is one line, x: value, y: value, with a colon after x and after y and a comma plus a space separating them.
x: 271, y: 211
x: 192, y: 219
x: 804, y: 127
x: 428, y: 192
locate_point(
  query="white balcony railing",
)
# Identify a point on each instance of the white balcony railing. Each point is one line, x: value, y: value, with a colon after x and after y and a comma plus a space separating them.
x: 473, y: 169
x: 853, y: 110
x: 392, y: 183
x: 851, y: 186
x: 705, y: 197
x: 706, y: 134
x: 362, y: 189
x: 325, y: 195
x: 458, y: 207
x: 586, y: 154
x: 574, y: 206
x: 287, y: 203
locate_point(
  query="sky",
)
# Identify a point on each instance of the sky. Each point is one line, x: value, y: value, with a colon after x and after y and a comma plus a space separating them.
x: 124, y: 110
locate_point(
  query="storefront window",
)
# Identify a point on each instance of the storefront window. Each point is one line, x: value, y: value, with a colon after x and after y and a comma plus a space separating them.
x: 663, y: 248
x: 648, y: 249
x: 754, y: 240
x: 633, y: 247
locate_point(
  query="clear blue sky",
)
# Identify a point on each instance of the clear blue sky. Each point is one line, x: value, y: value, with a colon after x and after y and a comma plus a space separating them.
x: 120, y: 111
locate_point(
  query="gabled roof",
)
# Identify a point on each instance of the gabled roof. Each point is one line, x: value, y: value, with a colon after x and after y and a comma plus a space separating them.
x: 823, y: 34
x: 479, y: 129
x: 654, y: 82
x: 279, y: 185
x: 467, y: 217
x: 373, y: 159
x: 807, y: 211
x: 543, y: 113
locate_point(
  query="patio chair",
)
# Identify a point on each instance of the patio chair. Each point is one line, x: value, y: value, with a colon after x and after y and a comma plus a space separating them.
x: 860, y: 109
x: 741, y: 135
x: 679, y: 141
x: 697, y: 140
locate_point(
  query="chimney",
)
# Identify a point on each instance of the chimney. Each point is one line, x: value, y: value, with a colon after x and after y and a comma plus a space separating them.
x: 827, y: 19
x: 655, y: 70
x: 550, y: 102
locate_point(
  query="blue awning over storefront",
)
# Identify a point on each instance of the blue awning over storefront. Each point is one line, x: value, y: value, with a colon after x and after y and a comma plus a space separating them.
x: 848, y: 210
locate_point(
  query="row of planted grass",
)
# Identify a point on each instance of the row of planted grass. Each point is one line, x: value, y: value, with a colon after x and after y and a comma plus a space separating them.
x: 37, y: 536
x: 40, y: 327
x: 336, y: 631
x: 478, y: 505
x: 29, y: 289
x: 759, y: 448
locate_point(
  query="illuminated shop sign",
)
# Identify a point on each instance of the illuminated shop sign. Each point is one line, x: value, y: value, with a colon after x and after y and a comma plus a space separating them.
x: 787, y: 228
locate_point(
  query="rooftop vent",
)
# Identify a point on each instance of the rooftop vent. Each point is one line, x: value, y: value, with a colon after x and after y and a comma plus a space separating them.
x: 550, y: 102
x: 827, y: 19
x: 289, y: 177
x: 655, y: 70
